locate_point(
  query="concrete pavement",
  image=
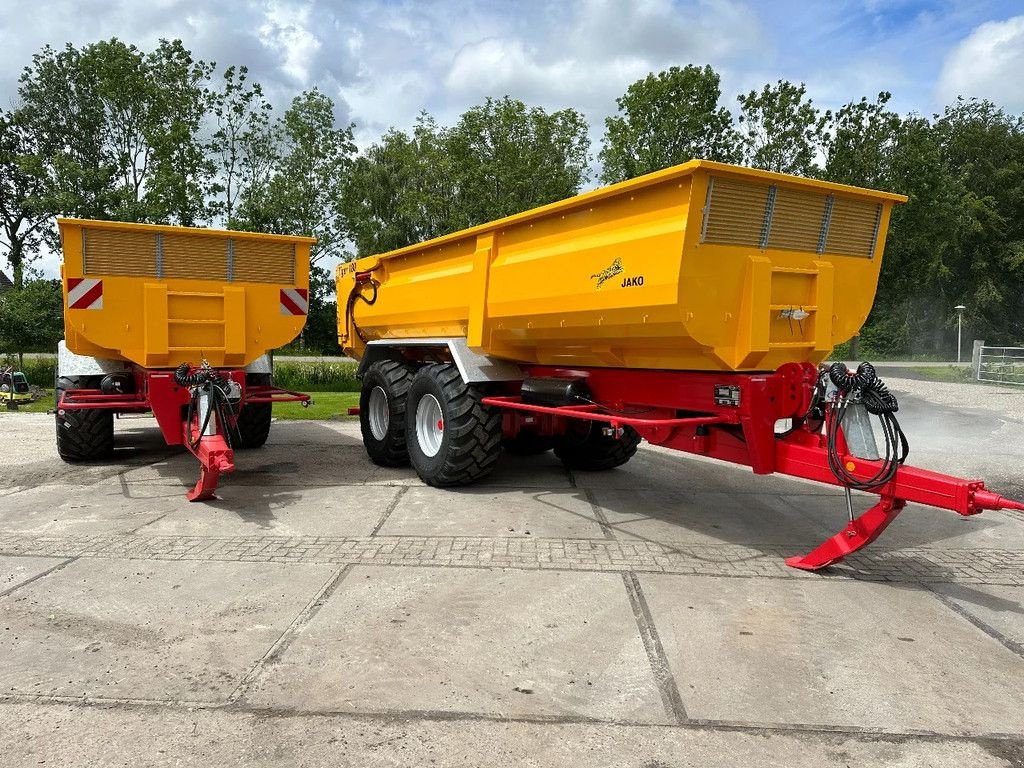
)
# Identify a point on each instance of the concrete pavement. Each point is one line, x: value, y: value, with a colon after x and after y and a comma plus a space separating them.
x: 327, y: 611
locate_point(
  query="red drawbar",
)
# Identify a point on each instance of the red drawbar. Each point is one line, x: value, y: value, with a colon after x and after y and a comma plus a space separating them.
x: 733, y: 417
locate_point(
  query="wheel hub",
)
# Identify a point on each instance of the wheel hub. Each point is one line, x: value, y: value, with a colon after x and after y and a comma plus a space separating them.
x: 429, y: 425
x: 378, y: 413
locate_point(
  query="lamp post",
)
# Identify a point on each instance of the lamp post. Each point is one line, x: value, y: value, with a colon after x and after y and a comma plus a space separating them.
x: 959, y: 328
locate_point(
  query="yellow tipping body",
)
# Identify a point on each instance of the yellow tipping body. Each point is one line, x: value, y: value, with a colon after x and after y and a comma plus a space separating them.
x: 702, y: 266
x: 176, y: 294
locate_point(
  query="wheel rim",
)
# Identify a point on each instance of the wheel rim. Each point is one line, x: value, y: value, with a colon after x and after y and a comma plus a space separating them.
x: 429, y: 425
x: 377, y: 412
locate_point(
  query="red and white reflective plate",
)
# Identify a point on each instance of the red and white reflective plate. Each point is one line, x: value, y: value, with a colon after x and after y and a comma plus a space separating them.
x: 85, y: 293
x: 294, y: 301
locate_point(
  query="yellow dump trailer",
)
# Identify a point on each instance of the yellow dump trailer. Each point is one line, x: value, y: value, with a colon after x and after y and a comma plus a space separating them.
x: 159, y: 296
x: 703, y: 266
x: 178, y: 322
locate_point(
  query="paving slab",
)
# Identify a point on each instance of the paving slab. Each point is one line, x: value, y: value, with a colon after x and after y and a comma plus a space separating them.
x: 464, y: 640
x: 36, y: 734
x: 819, y: 653
x: 997, y: 607
x: 543, y: 471
x: 272, y: 465
x: 18, y: 570
x: 704, y: 517
x: 242, y: 510
x: 104, y: 737
x: 148, y: 630
x: 102, y: 507
x: 424, y: 511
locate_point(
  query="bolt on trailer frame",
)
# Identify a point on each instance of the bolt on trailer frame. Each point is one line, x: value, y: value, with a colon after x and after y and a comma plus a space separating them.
x: 176, y: 322
x: 690, y: 307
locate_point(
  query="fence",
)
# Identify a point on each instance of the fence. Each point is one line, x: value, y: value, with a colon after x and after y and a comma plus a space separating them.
x: 999, y: 365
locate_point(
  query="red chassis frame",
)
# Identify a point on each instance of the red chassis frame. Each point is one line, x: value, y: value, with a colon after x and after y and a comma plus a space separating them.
x: 157, y: 391
x: 680, y: 410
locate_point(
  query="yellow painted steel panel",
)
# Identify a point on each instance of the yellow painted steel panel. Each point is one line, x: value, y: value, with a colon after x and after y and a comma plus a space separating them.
x: 167, y: 296
x: 662, y: 271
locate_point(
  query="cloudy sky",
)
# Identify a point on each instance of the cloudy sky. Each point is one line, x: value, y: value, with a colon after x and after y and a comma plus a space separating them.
x: 383, y: 61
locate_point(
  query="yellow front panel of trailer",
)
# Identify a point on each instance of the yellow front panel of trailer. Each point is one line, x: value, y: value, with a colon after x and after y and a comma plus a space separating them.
x: 159, y: 296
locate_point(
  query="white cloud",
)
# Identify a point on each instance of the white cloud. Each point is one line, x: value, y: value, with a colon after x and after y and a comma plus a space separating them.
x: 988, y: 63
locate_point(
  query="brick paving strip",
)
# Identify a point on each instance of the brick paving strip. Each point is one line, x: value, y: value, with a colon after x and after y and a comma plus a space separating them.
x: 911, y: 565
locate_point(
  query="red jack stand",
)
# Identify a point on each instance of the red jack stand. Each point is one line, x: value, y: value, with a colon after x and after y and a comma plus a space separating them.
x: 857, y: 535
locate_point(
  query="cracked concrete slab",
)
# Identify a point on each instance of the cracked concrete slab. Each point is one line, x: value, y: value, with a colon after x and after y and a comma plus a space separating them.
x: 469, y: 640
x: 165, y: 631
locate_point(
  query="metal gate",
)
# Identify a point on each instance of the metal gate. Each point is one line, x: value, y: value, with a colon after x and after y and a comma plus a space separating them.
x: 1001, y: 365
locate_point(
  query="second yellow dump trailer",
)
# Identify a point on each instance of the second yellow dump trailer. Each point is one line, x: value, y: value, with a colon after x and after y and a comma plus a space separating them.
x: 177, y: 321
x: 689, y: 307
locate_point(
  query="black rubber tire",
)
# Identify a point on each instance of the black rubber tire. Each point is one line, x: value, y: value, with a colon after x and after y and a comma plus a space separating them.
x: 83, y: 435
x: 394, y: 379
x: 253, y: 426
x: 527, y: 443
x: 592, y: 450
x: 471, y: 441
x: 253, y: 422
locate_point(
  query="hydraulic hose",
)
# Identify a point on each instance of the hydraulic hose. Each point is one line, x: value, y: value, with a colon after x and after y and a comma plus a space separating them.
x: 865, y: 386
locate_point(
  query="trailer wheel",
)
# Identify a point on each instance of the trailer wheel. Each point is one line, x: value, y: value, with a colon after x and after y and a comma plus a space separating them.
x: 83, y: 435
x: 453, y: 439
x: 382, y: 403
x: 591, y: 449
x: 253, y: 421
x: 527, y: 443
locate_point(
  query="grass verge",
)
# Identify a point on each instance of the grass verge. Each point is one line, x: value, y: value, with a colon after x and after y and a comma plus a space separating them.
x: 326, y: 405
x: 951, y: 373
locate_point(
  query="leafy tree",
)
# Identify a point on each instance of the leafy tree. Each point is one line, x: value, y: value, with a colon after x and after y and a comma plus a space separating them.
x: 31, y: 318
x: 500, y: 158
x: 22, y: 217
x: 666, y: 119
x: 781, y: 129
x: 303, y: 194
x: 243, y: 145
x: 859, y: 140
x: 118, y: 131
x: 507, y: 158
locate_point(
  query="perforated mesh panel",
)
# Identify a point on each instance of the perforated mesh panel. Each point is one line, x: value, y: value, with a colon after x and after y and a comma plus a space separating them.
x: 259, y: 261
x: 854, y: 228
x: 190, y: 257
x: 195, y: 258
x: 796, y: 220
x: 736, y: 213
x: 113, y: 252
x: 782, y: 218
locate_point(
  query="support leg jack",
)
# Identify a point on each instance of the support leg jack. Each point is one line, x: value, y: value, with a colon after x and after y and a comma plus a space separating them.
x: 858, y: 534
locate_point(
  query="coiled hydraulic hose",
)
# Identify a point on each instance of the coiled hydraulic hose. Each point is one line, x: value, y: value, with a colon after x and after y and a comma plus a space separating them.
x: 865, y: 386
x: 185, y: 376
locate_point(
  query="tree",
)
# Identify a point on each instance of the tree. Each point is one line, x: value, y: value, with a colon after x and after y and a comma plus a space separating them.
x: 859, y: 140
x: 31, y: 319
x: 22, y: 216
x: 507, y: 158
x: 242, y: 146
x: 303, y: 194
x: 666, y: 119
x: 117, y: 131
x: 781, y: 130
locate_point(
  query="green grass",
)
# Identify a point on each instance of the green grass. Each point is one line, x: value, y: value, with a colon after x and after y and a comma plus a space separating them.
x: 38, y: 370
x: 326, y: 405
x: 316, y: 377
x: 951, y: 373
x: 42, y: 405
